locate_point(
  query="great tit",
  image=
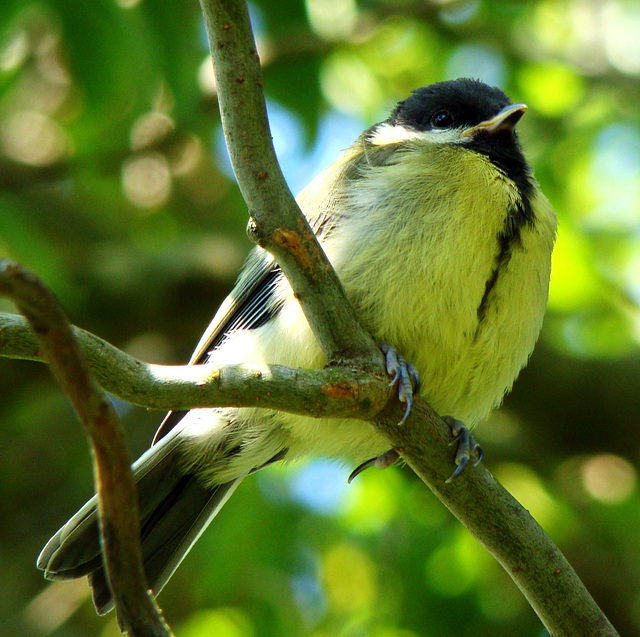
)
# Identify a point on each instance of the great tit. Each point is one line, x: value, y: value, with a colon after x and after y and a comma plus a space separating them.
x: 442, y: 239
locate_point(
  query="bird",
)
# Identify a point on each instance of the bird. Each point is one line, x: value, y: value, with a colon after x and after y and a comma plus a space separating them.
x: 442, y: 239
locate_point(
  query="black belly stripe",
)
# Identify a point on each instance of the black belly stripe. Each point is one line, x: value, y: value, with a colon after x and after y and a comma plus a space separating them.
x: 504, y: 152
x: 509, y: 238
x: 501, y: 261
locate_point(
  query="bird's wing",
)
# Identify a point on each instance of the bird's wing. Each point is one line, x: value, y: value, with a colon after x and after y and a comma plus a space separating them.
x: 253, y: 301
x: 249, y: 305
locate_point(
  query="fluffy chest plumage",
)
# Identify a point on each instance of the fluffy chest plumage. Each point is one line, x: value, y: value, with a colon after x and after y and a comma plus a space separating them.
x: 447, y: 275
x: 420, y: 254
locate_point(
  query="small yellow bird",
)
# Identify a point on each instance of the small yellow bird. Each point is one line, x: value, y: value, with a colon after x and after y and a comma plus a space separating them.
x: 442, y: 239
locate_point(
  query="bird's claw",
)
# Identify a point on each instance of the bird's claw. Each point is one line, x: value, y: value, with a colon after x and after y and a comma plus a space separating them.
x: 383, y: 461
x: 404, y: 374
x: 467, y: 446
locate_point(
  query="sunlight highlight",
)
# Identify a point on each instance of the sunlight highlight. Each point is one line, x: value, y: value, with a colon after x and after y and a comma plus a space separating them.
x: 609, y: 478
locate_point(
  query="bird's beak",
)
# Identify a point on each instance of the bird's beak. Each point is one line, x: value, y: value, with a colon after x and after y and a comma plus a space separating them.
x: 506, y: 119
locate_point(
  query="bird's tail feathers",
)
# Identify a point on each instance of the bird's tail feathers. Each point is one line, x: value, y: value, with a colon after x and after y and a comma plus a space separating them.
x: 175, y: 508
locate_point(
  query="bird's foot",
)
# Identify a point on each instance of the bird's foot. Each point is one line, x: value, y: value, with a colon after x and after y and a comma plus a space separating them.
x: 387, y: 459
x: 467, y: 447
x: 404, y: 375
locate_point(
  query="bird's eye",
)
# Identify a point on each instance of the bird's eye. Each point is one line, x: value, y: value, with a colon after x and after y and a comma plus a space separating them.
x: 441, y: 119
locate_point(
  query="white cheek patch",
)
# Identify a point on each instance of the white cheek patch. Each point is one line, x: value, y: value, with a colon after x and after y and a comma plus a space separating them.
x: 392, y: 134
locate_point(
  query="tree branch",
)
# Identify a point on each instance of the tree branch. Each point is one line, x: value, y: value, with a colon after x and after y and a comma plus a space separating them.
x: 500, y: 523
x: 277, y: 224
x: 341, y: 391
x: 119, y: 518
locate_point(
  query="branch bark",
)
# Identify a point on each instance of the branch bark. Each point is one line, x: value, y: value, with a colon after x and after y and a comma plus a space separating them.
x: 276, y: 221
x: 338, y: 391
x: 500, y: 523
x: 119, y: 518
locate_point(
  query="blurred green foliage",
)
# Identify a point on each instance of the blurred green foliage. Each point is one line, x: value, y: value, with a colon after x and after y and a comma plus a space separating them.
x: 114, y: 189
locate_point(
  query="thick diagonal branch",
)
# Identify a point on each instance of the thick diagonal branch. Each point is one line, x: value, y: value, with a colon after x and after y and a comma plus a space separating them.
x: 276, y: 221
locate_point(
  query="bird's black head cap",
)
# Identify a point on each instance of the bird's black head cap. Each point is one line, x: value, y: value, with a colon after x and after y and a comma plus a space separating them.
x: 457, y: 103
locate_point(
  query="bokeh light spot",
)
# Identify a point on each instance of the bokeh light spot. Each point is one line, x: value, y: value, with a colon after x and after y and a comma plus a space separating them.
x: 573, y: 285
x: 146, y: 180
x: 373, y: 500
x: 527, y: 486
x: 478, y: 61
x: 14, y: 52
x: 206, y: 77
x: 348, y: 84
x: 150, y: 129
x: 459, y: 12
x: 332, y: 19
x: 621, y: 26
x: 551, y: 89
x: 128, y: 4
x: 453, y: 568
x: 223, y: 622
x: 320, y: 485
x: 33, y: 138
x: 349, y: 578
x: 614, y: 177
x: 609, y: 478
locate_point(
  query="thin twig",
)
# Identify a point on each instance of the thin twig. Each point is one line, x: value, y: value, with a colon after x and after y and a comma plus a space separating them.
x: 119, y: 518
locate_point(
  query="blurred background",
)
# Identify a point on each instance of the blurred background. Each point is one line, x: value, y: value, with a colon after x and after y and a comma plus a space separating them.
x: 115, y: 187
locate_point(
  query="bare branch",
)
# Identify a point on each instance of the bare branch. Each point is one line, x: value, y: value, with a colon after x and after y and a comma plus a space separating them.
x: 119, y: 519
x: 500, y: 523
x: 340, y: 391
